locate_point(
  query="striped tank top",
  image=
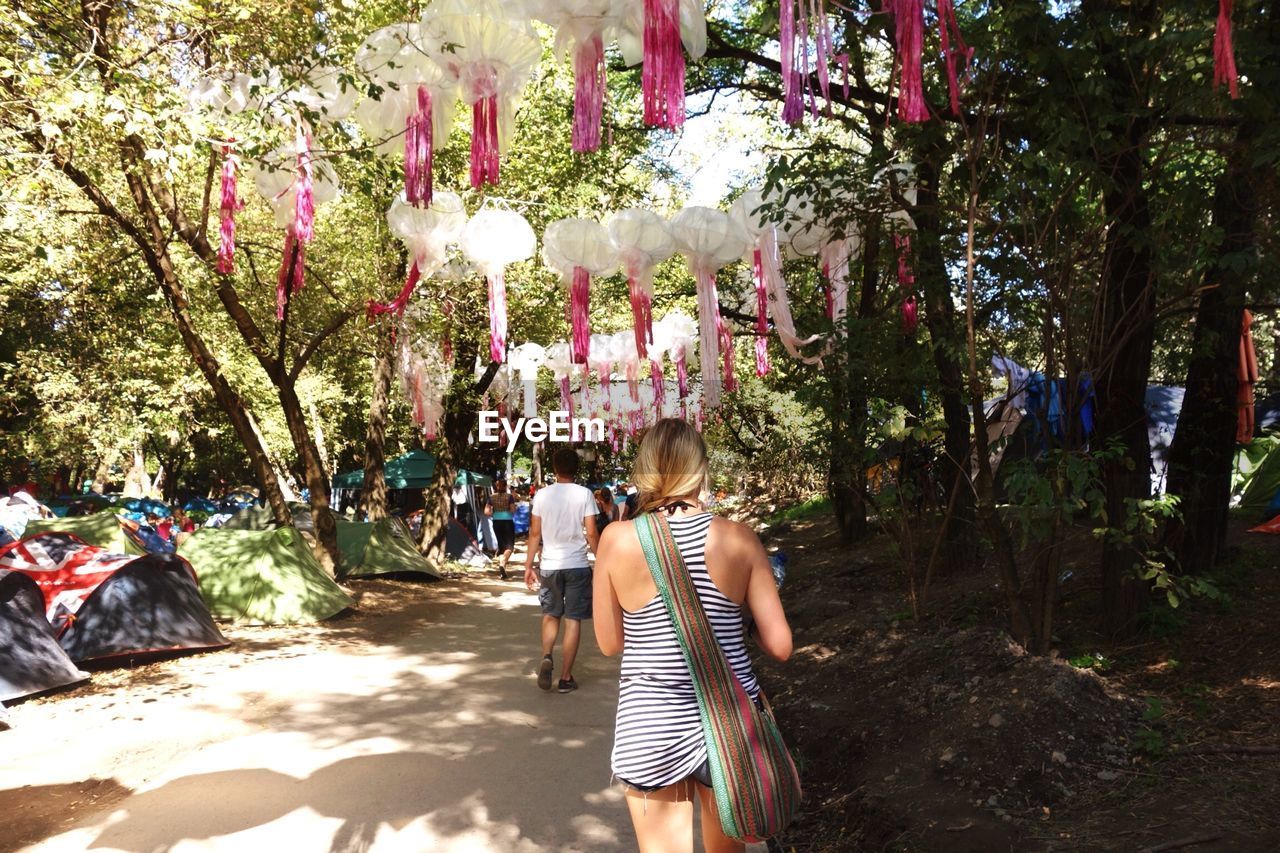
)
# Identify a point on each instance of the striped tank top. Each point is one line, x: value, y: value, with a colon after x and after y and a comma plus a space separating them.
x: 658, y: 739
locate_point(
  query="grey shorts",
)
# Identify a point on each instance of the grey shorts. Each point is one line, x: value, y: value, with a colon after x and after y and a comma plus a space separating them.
x: 566, y: 593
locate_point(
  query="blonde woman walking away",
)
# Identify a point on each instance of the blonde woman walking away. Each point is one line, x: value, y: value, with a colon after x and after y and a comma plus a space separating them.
x: 659, y: 750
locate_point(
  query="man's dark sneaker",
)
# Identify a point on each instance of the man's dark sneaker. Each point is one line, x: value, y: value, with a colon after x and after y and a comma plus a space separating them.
x: 502, y: 574
x: 567, y: 686
x: 544, y: 673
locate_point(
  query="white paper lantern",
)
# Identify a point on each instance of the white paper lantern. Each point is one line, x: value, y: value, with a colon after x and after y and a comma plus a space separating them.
x: 525, y: 360
x: 491, y: 49
x: 710, y: 240
x: 642, y: 240
x: 587, y: 26
x: 493, y: 239
x: 579, y: 249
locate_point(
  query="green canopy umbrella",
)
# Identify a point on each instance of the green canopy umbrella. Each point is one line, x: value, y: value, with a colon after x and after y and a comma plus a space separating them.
x: 267, y: 577
x: 380, y: 548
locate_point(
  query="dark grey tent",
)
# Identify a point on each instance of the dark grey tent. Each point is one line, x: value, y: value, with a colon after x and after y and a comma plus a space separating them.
x: 31, y: 661
x: 461, y: 547
x: 151, y: 606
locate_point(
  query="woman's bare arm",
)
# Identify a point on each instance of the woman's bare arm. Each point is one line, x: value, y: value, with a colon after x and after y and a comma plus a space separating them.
x: 774, y: 633
x: 606, y: 611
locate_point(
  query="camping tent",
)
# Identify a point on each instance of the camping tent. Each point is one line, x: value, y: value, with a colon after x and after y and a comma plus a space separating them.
x: 151, y: 605
x: 459, y: 545
x: 31, y: 661
x: 267, y: 577
x: 104, y: 530
x: 413, y: 470
x: 262, y: 518
x: 380, y: 548
x: 103, y: 605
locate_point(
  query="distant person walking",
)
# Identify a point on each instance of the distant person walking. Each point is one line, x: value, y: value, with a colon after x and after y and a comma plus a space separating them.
x: 660, y: 750
x: 500, y: 507
x: 563, y: 531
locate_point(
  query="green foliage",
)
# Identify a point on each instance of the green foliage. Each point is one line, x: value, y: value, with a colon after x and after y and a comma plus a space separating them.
x: 812, y: 508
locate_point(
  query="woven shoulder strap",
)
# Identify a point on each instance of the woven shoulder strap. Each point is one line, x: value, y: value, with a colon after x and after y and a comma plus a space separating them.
x: 753, y: 777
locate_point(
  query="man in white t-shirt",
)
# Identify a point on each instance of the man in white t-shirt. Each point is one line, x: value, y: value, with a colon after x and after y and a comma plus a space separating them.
x: 563, y: 528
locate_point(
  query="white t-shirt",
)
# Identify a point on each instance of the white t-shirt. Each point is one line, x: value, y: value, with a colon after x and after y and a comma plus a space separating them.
x: 562, y: 508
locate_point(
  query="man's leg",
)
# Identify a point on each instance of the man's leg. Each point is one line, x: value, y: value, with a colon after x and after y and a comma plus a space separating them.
x: 572, y: 634
x: 550, y: 629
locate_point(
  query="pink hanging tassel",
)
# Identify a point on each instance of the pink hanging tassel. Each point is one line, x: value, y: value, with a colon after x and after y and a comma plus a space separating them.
x: 304, y: 205
x: 822, y: 44
x: 398, y: 305
x: 641, y: 315
x: 908, y: 23
x: 906, y: 281
x: 588, y: 94
x: 485, y: 156
x: 566, y: 395
x: 229, y: 204
x: 682, y: 372
x: 585, y: 389
x: 792, y: 81
x: 659, y: 381
x: 948, y: 29
x: 446, y: 343
x: 843, y: 61
x: 419, y: 156
x: 603, y: 372
x: 580, y: 314
x: 762, y: 316
x: 827, y: 292
x: 498, y: 317
x: 292, y: 270
x: 910, y: 315
x: 663, y: 76
x: 729, y: 374
x: 1224, y: 54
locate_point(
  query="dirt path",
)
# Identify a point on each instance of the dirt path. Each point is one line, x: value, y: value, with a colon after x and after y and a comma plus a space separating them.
x: 413, y: 725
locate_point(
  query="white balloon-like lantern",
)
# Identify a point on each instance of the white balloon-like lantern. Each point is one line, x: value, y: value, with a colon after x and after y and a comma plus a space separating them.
x: 710, y: 240
x: 294, y: 187
x: 427, y: 233
x: 493, y: 239
x: 415, y: 110
x: 491, y: 49
x: 525, y: 361
x: 642, y: 240
x: 653, y: 33
x: 559, y: 361
x: 587, y: 25
x: 676, y: 334
x: 579, y: 249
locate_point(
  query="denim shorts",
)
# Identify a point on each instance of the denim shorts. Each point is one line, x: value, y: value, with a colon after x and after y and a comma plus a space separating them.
x: 566, y: 593
x: 702, y: 775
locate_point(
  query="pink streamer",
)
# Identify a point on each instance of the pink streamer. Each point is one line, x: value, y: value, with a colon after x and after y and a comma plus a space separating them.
x: 418, y: 151
x: 1224, y: 54
x: 641, y: 315
x: 729, y: 375
x: 710, y: 334
x: 292, y: 271
x: 588, y: 94
x: 398, y: 305
x: 792, y: 81
x: 659, y: 381
x: 908, y: 22
x: 907, y: 281
x: 663, y: 76
x: 229, y: 204
x: 566, y: 395
x: 910, y: 315
x: 585, y: 389
x: 485, y: 157
x: 762, y: 316
x: 446, y: 343
x: 304, y: 205
x: 682, y: 372
x: 948, y: 29
x: 497, y: 318
x: 580, y: 314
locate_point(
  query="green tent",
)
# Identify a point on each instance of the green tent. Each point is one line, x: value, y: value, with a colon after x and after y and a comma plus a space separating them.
x: 1262, y: 468
x: 380, y: 548
x: 1249, y: 458
x: 262, y: 518
x: 267, y: 577
x: 413, y: 470
x: 103, y: 529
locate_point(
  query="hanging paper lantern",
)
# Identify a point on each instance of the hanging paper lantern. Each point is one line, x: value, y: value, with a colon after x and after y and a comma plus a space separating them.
x: 324, y: 93
x: 427, y: 234
x: 294, y: 186
x: 491, y: 49
x: 586, y: 26
x: 228, y: 93
x: 525, y: 361
x: 653, y: 32
x: 710, y: 240
x: 677, y: 334
x: 493, y: 239
x: 601, y: 359
x: 766, y: 263
x: 424, y: 371
x: 415, y: 110
x: 642, y: 241
x: 579, y: 249
x: 627, y: 358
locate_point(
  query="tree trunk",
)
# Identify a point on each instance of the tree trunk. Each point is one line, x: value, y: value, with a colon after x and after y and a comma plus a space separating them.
x: 947, y: 344
x: 1202, y: 455
x: 373, y: 494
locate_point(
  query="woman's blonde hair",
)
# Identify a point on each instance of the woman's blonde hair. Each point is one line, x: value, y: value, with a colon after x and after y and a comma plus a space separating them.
x: 672, y: 463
